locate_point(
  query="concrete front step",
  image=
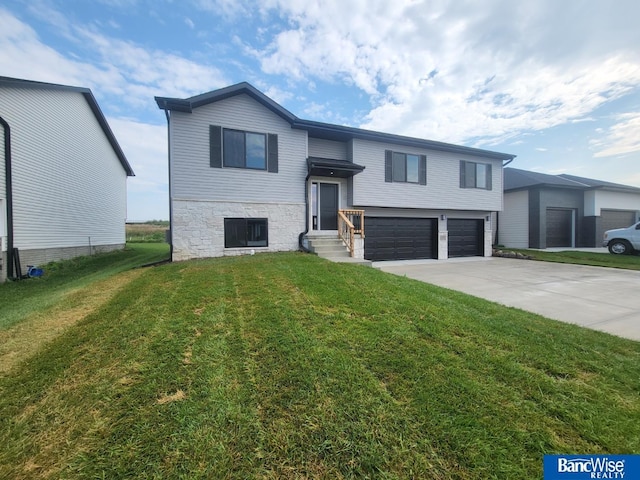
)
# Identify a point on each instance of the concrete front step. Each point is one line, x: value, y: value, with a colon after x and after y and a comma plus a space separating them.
x: 347, y: 259
x: 329, y: 248
x: 333, y: 254
x: 325, y: 241
x: 334, y: 249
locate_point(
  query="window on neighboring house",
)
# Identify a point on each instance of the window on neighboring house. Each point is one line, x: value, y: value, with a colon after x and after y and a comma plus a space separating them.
x: 240, y: 149
x: 405, y: 167
x: 475, y: 175
x: 245, y: 232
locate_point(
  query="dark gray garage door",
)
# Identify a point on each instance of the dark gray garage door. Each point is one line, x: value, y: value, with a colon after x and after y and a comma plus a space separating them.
x: 399, y: 238
x: 559, y: 227
x: 466, y: 237
x: 611, y: 219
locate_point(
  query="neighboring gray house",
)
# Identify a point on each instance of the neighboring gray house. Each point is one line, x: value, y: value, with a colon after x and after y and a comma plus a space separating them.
x: 247, y: 175
x: 542, y: 211
x: 62, y: 175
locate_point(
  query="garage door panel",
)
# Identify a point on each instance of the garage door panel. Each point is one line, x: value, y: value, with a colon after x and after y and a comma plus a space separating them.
x: 466, y: 237
x: 559, y: 227
x: 611, y: 219
x: 391, y: 238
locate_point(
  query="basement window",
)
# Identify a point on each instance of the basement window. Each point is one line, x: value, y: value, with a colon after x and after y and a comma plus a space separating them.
x: 245, y: 232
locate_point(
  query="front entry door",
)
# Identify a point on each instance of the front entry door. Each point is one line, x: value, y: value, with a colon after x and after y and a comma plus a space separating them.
x: 325, y: 206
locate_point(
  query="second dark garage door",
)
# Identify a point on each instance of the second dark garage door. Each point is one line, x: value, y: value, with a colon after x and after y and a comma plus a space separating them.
x: 466, y: 237
x: 617, y: 219
x: 393, y: 238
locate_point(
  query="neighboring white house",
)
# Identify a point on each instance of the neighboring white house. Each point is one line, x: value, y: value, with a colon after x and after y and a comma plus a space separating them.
x: 62, y: 175
x: 248, y: 175
x: 543, y: 210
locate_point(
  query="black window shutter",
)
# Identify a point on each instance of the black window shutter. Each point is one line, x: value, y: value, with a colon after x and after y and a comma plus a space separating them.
x: 423, y: 170
x: 272, y: 153
x: 462, y: 173
x: 489, y: 177
x: 215, y: 146
x: 388, y: 166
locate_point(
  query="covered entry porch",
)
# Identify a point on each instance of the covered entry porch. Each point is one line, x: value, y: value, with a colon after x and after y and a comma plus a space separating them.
x: 329, y: 215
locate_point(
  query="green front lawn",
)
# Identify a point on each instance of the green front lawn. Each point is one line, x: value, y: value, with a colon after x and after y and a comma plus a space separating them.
x: 287, y: 366
x: 20, y: 299
x: 629, y: 262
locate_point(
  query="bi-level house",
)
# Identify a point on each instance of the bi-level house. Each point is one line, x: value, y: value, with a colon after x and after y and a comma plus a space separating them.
x: 246, y: 175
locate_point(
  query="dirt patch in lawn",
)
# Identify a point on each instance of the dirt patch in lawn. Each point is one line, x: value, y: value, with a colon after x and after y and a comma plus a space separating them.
x: 27, y: 337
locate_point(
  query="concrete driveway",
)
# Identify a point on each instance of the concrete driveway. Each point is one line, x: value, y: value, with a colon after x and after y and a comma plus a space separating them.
x: 605, y: 299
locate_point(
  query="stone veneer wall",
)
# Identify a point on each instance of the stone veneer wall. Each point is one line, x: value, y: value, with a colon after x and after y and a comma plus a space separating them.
x: 488, y: 243
x: 198, y: 227
x: 358, y: 250
x: 443, y: 245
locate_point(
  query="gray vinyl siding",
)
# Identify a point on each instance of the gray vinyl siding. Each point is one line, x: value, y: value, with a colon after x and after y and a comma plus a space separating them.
x: 327, y: 149
x: 423, y: 213
x: 540, y: 200
x: 69, y: 187
x: 443, y: 181
x: 192, y: 178
x: 2, y: 164
x: 3, y: 195
x: 513, y: 223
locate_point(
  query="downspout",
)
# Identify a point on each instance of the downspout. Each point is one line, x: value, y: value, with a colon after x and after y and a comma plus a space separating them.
x: 306, y: 215
x: 166, y: 113
x: 497, y: 229
x: 9, y: 193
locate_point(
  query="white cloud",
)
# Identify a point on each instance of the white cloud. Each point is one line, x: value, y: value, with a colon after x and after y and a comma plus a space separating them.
x: 145, y: 146
x: 19, y: 41
x: 226, y: 8
x: 620, y: 139
x: 274, y: 92
x: 460, y: 71
x: 146, y: 72
x: 121, y: 68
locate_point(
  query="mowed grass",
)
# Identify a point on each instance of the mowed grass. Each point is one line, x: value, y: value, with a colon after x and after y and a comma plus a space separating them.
x: 287, y: 366
x: 22, y: 298
x: 629, y: 262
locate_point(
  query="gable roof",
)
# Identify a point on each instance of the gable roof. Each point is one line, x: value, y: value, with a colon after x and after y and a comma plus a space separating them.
x: 318, y: 129
x: 93, y: 104
x: 516, y: 179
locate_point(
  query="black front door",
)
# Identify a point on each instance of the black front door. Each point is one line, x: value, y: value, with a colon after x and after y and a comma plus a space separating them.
x: 328, y: 206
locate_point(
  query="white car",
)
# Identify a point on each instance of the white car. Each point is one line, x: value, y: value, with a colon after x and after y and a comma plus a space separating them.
x: 623, y: 241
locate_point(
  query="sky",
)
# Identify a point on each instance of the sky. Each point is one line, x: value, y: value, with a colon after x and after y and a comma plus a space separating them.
x: 556, y: 83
